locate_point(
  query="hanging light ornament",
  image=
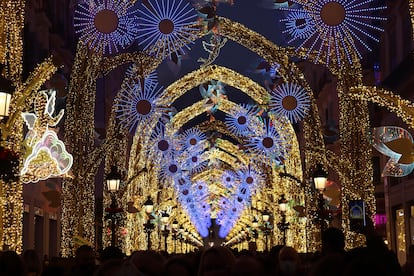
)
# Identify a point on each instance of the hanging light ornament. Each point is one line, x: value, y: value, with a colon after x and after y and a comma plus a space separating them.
x: 137, y: 103
x: 397, y: 143
x: 191, y: 139
x: 242, y: 120
x: 106, y: 25
x: 165, y: 26
x: 290, y: 100
x: 338, y: 25
x: 268, y: 143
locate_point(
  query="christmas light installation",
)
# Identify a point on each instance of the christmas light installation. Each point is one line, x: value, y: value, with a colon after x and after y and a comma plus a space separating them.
x: 268, y: 143
x: 290, y: 100
x: 106, y: 25
x: 229, y: 179
x: 397, y: 143
x: 194, y: 161
x: 299, y: 25
x: 251, y: 177
x: 337, y: 24
x: 240, y: 120
x: 162, y: 144
x: 170, y: 169
x: 46, y: 155
x: 164, y: 26
x: 228, y: 216
x: 191, y: 138
x: 137, y: 103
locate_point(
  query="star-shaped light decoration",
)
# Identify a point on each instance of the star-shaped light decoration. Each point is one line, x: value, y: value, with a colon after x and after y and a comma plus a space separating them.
x: 106, y: 25
x: 166, y: 26
x: 241, y: 120
x: 397, y: 143
x: 290, y: 100
x: 170, y: 169
x: 338, y: 25
x: 299, y: 24
x: 191, y: 139
x: 268, y: 143
x: 137, y: 103
x: 161, y: 143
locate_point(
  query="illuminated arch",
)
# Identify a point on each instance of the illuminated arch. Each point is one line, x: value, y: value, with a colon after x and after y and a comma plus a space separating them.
x: 404, y: 109
x: 213, y: 72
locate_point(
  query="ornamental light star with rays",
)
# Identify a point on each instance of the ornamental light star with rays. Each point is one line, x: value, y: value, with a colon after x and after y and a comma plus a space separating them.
x: 290, y: 100
x: 106, y: 25
x: 137, y: 103
x: 165, y: 26
x: 191, y: 138
x: 240, y: 121
x: 269, y: 143
x: 339, y: 25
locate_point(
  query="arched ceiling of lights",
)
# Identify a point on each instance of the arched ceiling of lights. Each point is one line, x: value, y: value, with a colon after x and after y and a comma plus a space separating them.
x: 215, y: 80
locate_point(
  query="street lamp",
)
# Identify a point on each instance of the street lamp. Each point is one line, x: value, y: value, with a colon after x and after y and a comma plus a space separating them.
x: 283, y: 225
x: 255, y: 223
x: 320, y: 177
x: 148, y: 226
x: 266, y: 229
x: 113, y: 180
x: 165, y: 232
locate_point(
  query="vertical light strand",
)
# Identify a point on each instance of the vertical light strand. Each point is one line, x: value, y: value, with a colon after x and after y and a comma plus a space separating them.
x: 356, y: 179
x: 78, y: 209
x: 11, y: 32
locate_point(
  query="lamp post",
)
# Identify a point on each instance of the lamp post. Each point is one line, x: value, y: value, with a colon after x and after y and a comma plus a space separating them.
x: 113, y: 179
x: 148, y: 226
x: 174, y: 234
x: 266, y: 230
x: 283, y: 225
x: 165, y: 232
x: 320, y: 177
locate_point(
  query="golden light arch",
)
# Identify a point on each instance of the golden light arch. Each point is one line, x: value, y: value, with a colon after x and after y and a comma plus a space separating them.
x: 213, y: 72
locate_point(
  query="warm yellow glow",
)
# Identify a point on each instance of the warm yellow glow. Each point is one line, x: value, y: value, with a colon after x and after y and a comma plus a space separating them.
x: 4, y: 104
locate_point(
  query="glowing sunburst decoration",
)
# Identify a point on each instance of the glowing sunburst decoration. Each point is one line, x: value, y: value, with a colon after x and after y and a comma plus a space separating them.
x: 136, y: 105
x: 191, y: 138
x: 194, y: 162
x: 161, y: 143
x: 298, y: 24
x: 170, y: 169
x: 229, y: 179
x: 239, y: 122
x: 290, y: 100
x: 268, y: 143
x: 251, y: 177
x: 337, y: 24
x: 164, y: 26
x: 106, y: 25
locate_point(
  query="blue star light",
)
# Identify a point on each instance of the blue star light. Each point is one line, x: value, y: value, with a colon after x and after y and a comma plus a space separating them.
x: 137, y: 103
x: 340, y: 27
x: 165, y: 26
x: 106, y: 25
x: 290, y: 100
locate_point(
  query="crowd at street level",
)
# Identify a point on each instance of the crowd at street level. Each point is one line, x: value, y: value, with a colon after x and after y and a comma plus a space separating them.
x: 372, y: 259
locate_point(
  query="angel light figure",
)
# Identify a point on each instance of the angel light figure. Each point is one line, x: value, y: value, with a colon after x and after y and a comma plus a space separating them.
x: 46, y: 155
